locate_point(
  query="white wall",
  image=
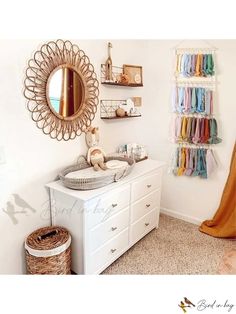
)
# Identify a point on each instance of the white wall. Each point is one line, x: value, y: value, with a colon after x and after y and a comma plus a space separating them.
x: 192, y: 199
x: 32, y: 158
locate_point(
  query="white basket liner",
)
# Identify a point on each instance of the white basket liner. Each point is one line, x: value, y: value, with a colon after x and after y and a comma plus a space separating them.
x: 48, y: 253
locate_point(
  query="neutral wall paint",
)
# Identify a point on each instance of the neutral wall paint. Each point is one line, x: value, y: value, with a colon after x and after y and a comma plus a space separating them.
x: 33, y: 159
x: 192, y: 199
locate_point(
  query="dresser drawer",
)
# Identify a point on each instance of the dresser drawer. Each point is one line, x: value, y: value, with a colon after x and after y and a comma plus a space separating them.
x: 107, y: 230
x: 144, y: 225
x: 145, y: 185
x: 108, y: 253
x: 145, y: 205
x: 103, y: 207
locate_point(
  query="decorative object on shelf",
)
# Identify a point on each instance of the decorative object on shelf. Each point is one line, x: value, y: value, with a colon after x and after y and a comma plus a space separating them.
x: 193, y: 127
x: 116, y: 74
x: 133, y: 150
x: 119, y: 78
x: 120, y: 112
x: 48, y: 251
x: 134, y: 73
x: 138, y: 78
x: 108, y: 65
x: 137, y: 101
x: 135, y: 111
x: 128, y: 106
x: 80, y: 176
x: 123, y: 79
x: 95, y: 155
x: 62, y: 90
x: 109, y: 109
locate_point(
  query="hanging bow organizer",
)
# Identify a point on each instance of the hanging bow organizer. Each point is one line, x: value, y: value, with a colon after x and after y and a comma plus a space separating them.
x: 194, y: 126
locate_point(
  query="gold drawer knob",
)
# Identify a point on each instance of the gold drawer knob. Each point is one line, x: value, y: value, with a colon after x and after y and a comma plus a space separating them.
x: 147, y: 224
x: 113, y: 228
x: 148, y: 205
x: 114, y: 205
x: 113, y: 250
x: 149, y: 185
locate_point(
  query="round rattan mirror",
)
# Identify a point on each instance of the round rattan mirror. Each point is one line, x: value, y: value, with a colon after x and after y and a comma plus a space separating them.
x: 62, y: 90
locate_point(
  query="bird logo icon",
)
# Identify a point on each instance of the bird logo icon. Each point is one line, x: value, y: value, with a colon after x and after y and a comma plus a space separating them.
x: 19, y: 202
x: 11, y: 212
x: 186, y: 304
x: 22, y: 203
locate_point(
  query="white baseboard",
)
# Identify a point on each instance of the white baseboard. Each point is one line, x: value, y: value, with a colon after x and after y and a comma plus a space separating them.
x: 181, y: 216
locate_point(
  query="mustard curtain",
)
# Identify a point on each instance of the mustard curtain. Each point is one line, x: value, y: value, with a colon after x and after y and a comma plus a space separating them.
x: 223, y: 224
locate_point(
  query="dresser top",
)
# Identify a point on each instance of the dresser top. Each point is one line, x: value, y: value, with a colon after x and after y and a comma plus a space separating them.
x: 140, y: 168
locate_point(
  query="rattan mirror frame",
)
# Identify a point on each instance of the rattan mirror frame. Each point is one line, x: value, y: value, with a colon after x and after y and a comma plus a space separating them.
x: 46, y: 61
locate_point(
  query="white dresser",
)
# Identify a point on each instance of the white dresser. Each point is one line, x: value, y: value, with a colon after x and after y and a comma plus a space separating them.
x: 106, y: 222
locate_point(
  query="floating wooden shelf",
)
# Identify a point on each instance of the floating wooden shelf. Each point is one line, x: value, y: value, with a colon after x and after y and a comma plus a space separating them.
x: 120, y: 84
x: 116, y: 118
x: 108, y: 109
x: 116, y: 72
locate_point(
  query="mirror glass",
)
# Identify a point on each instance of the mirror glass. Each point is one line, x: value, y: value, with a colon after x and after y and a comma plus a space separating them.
x: 66, y: 92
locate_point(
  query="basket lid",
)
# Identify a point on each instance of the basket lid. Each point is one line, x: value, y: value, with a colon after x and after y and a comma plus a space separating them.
x: 53, y: 240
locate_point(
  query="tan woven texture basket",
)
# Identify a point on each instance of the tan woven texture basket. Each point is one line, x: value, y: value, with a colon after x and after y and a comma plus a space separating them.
x: 94, y: 183
x: 48, y: 251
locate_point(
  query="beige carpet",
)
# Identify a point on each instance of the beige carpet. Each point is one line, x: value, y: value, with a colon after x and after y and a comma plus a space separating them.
x: 176, y: 247
x: 228, y: 263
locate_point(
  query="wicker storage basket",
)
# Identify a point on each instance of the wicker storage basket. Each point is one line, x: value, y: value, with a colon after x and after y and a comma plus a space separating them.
x: 48, y: 251
x: 94, y: 183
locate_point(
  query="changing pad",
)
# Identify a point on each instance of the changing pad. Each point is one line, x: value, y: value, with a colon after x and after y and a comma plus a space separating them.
x: 82, y: 176
x: 91, y: 173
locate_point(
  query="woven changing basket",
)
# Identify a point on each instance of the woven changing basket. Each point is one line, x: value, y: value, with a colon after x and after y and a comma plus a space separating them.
x: 98, y: 182
x: 48, y: 251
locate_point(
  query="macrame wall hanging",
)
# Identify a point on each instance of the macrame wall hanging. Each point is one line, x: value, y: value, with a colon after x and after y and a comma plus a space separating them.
x: 194, y: 126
